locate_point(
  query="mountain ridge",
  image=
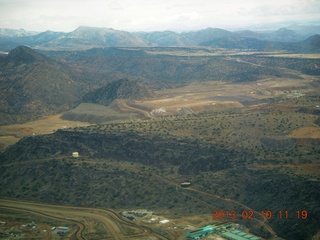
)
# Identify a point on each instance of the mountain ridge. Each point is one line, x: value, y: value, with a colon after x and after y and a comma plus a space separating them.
x: 122, y: 88
x: 85, y: 37
x: 34, y: 85
x: 309, y: 45
x: 23, y: 54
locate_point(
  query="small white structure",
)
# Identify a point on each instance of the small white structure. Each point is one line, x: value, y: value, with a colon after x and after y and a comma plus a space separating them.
x: 164, y: 221
x: 63, y: 228
x: 158, y: 111
x: 185, y: 184
x: 75, y: 154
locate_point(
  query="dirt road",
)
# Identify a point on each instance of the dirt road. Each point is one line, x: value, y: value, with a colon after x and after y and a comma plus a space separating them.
x: 263, y: 222
x: 123, y: 105
x: 112, y: 223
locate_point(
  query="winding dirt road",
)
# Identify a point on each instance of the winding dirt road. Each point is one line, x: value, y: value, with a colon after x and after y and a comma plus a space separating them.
x: 263, y: 222
x: 112, y: 223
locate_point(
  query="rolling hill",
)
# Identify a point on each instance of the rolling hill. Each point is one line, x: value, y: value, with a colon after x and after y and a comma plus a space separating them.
x: 163, y: 39
x: 33, y: 85
x: 100, y: 66
x: 252, y: 154
x: 284, y: 35
x: 134, y: 164
x: 248, y: 44
x: 236, y: 158
x: 89, y: 37
x: 309, y: 45
x: 119, y: 89
x: 197, y: 37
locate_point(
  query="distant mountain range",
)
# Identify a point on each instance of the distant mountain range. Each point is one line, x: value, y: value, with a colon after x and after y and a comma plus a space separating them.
x: 91, y: 37
x: 309, y: 45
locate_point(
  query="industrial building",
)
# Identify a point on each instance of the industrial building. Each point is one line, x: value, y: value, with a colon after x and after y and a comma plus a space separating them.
x: 201, y: 232
x: 185, y: 184
x: 238, y: 235
x: 75, y: 154
x: 225, y: 230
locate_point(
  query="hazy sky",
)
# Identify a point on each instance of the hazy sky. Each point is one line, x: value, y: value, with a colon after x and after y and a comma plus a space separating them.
x: 149, y: 15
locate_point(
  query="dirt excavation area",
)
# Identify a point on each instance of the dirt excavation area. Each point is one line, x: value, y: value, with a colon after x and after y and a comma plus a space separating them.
x: 28, y: 220
x: 219, y: 95
x: 189, y: 99
x: 306, y: 132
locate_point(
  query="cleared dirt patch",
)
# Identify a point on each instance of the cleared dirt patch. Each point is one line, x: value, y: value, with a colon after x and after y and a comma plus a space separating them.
x: 312, y: 170
x: 221, y: 95
x: 306, y: 132
x: 311, y: 55
x: 11, y: 134
x: 93, y: 223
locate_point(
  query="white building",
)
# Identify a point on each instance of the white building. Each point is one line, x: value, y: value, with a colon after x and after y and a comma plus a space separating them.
x: 75, y: 154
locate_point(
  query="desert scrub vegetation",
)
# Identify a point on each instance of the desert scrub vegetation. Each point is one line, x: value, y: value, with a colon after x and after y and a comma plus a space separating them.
x: 134, y: 164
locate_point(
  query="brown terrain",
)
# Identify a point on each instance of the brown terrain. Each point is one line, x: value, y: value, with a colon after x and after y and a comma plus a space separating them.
x: 10, y: 134
x: 82, y: 221
x: 88, y: 223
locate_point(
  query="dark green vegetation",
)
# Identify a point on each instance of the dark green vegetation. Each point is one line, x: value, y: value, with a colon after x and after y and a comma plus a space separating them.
x: 32, y: 86
x: 137, y: 164
x: 165, y: 70
x: 305, y: 66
